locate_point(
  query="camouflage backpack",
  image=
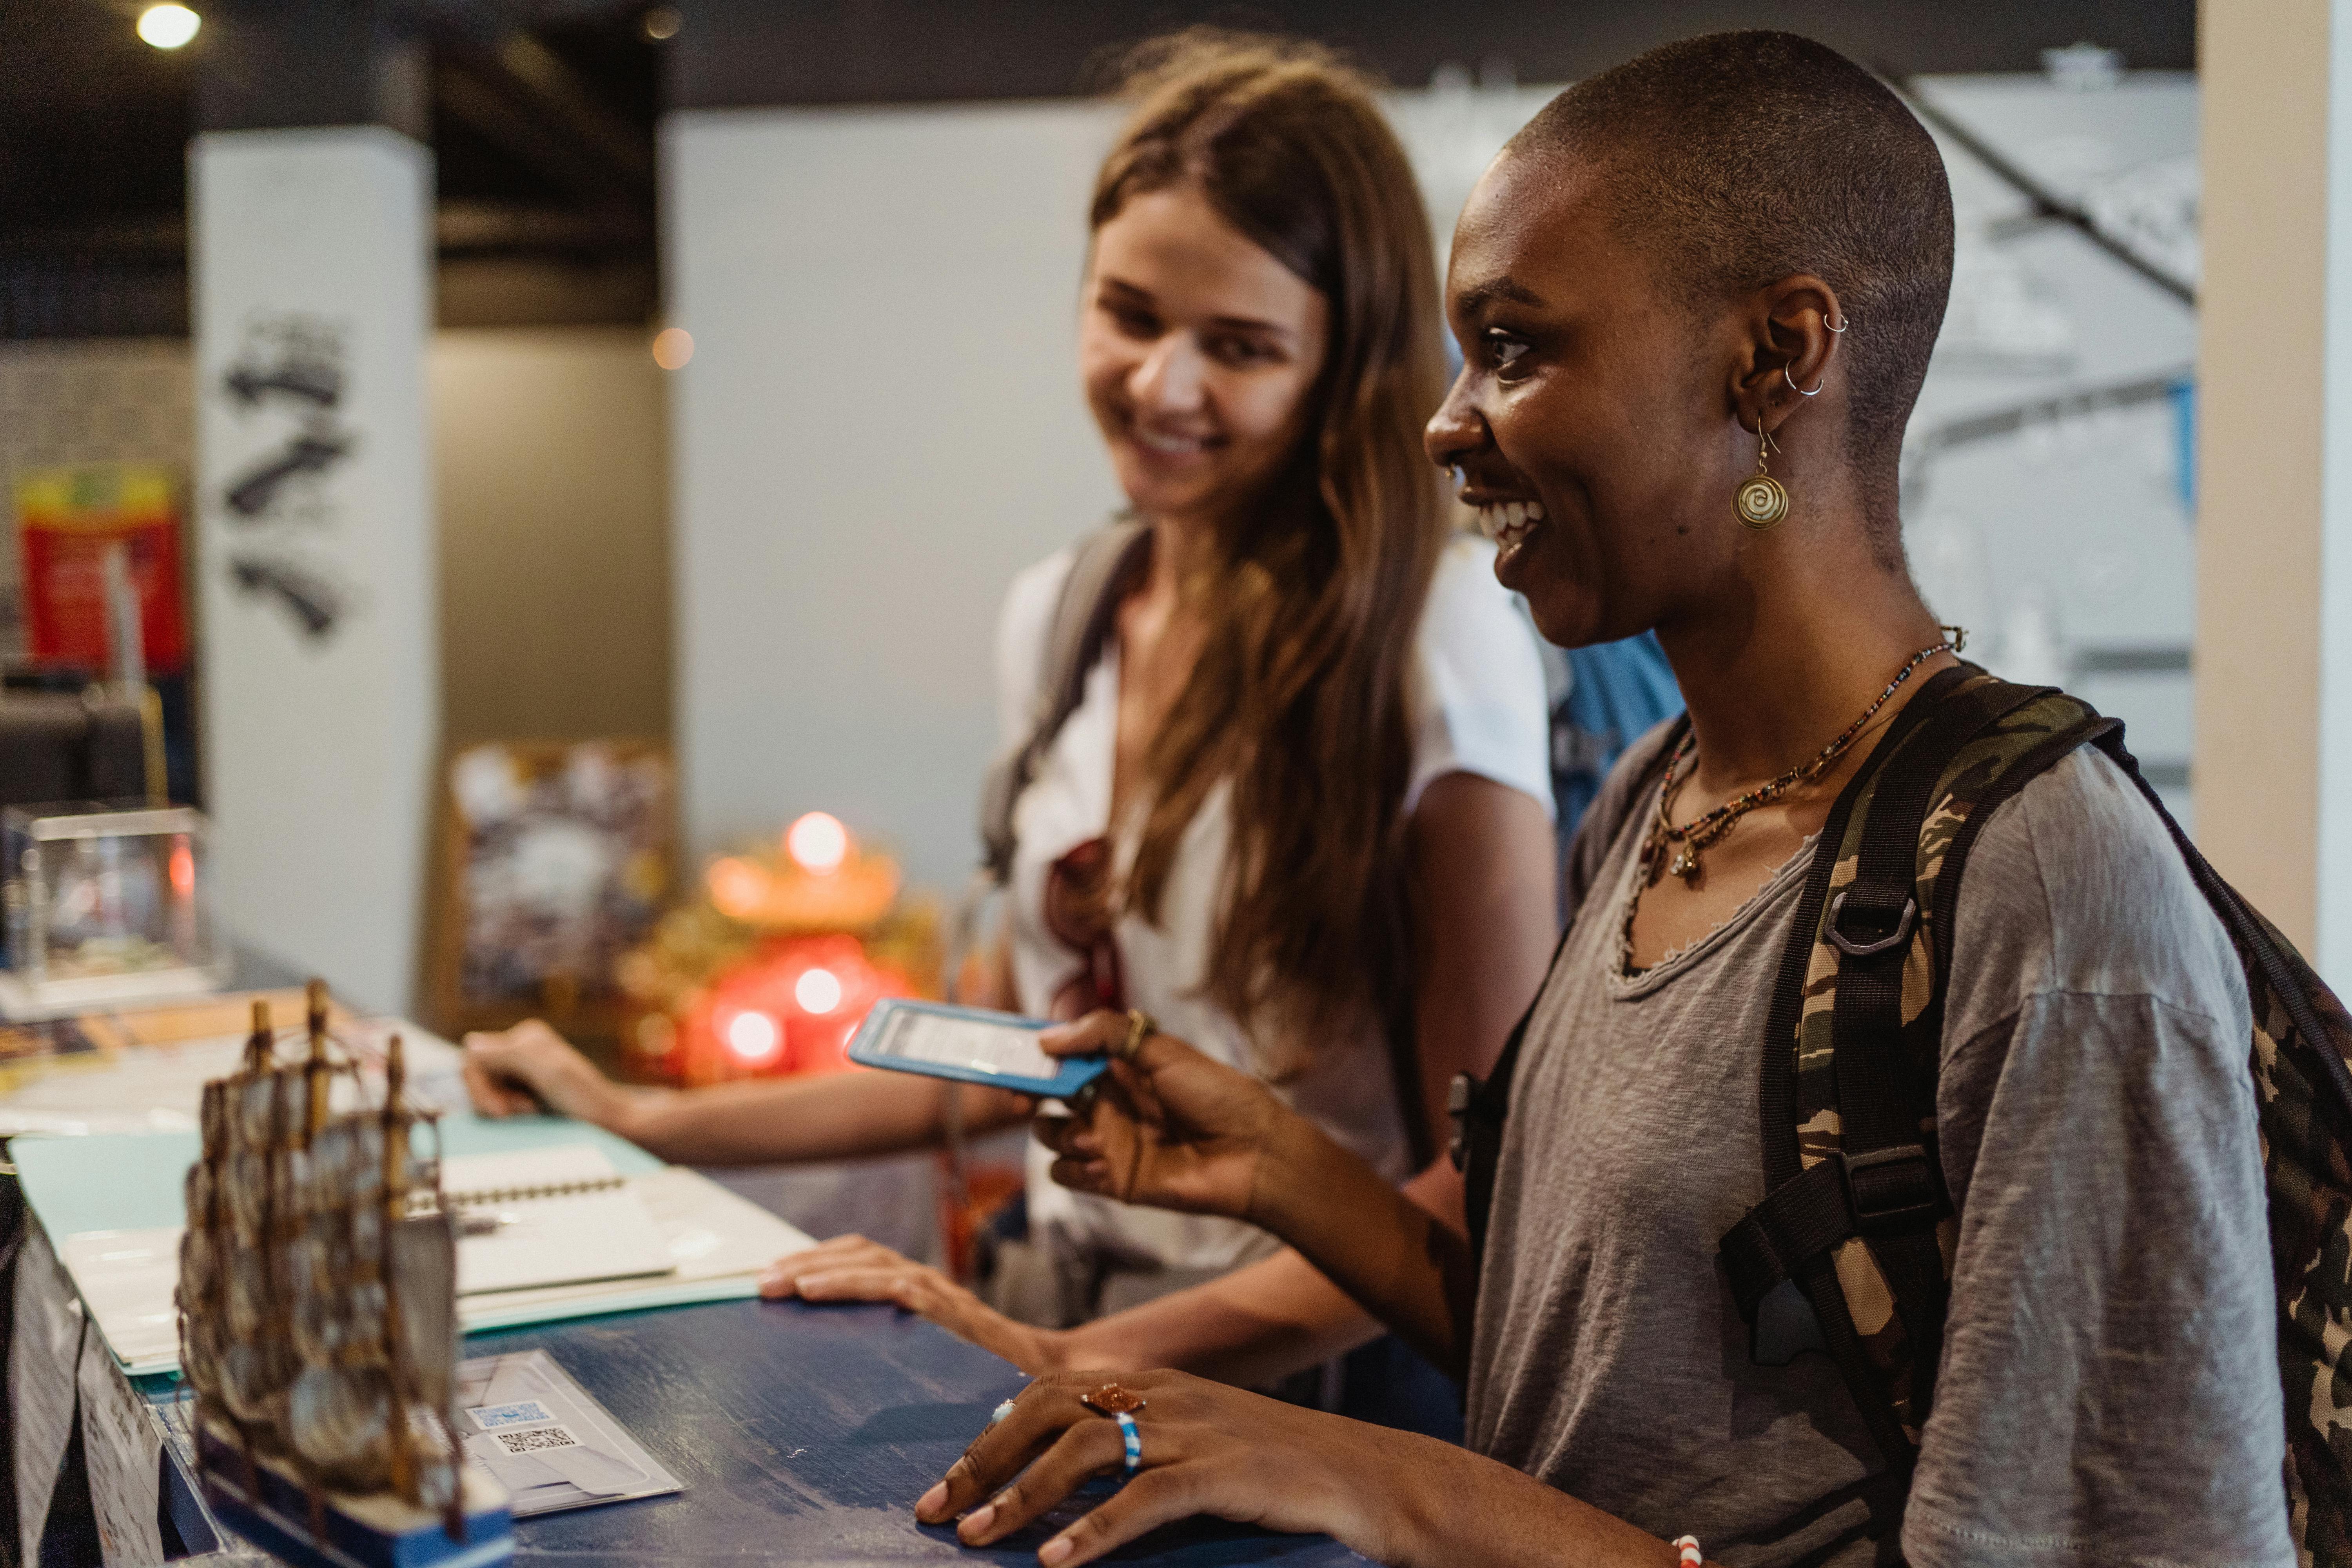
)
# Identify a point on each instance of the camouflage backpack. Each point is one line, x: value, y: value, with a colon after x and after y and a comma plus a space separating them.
x: 1857, y: 1225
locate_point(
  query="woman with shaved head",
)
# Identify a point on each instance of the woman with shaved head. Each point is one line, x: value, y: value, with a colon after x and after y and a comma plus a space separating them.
x: 1695, y: 300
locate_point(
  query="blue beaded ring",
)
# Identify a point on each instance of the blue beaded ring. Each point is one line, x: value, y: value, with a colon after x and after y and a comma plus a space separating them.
x: 1126, y: 1430
x: 999, y: 1413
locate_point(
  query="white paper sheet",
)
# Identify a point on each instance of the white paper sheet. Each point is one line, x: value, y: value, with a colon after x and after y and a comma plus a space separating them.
x: 542, y: 1436
x: 545, y: 1236
x: 717, y: 1244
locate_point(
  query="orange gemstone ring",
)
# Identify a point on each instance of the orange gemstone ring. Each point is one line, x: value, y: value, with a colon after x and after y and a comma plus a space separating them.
x: 1113, y: 1400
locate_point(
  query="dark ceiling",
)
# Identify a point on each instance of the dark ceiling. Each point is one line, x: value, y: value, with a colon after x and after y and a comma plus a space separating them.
x: 541, y: 112
x: 540, y: 116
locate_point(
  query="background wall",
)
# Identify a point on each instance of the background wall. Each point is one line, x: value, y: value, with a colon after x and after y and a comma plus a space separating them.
x: 880, y: 425
x: 550, y: 474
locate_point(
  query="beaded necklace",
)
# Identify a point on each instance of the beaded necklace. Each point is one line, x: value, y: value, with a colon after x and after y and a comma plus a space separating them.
x: 1688, y: 843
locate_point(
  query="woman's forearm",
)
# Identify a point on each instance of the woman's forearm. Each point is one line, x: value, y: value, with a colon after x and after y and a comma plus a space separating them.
x: 1392, y: 1256
x: 1423, y: 1503
x: 774, y: 1122
x: 1254, y: 1326
x: 1251, y: 1327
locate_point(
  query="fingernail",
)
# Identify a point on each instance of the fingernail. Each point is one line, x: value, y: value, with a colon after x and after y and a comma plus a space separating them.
x: 977, y: 1521
x: 1054, y: 1551
x: 931, y: 1501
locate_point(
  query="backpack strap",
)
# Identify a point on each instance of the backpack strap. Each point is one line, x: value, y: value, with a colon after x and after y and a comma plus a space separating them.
x: 1857, y: 1224
x: 1107, y: 562
x: 1479, y: 1107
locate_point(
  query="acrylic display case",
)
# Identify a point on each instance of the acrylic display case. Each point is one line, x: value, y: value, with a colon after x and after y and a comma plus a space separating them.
x: 107, y: 905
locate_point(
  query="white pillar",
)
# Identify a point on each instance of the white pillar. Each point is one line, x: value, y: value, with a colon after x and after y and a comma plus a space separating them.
x: 312, y: 260
x: 2274, y: 747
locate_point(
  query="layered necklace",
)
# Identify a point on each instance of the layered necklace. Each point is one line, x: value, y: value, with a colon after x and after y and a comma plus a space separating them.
x: 1673, y: 849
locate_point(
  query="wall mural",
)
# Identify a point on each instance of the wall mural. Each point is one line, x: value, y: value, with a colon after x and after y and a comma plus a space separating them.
x: 286, y: 385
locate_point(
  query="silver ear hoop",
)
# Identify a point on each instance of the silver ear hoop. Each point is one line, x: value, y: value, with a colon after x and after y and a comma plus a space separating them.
x: 1801, y: 391
x: 1849, y: 321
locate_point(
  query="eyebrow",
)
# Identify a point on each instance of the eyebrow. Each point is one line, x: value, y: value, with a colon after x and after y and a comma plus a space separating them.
x: 1471, y: 300
x: 1229, y: 323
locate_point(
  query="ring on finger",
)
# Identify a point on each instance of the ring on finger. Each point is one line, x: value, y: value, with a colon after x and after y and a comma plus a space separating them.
x: 1140, y: 1028
x: 1120, y: 1404
x: 999, y: 1413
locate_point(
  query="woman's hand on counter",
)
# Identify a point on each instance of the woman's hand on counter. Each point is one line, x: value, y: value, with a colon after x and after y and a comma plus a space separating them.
x: 1167, y: 1126
x: 530, y: 1068
x: 1210, y: 1448
x: 852, y: 1268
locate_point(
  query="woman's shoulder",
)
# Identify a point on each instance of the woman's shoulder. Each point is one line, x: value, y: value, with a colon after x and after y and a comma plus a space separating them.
x: 1022, y: 623
x: 1478, y: 696
x: 1465, y: 599
x: 1029, y: 600
x: 2076, y: 886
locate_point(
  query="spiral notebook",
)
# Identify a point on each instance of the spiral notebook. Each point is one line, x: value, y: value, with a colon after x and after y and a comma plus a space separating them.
x: 536, y: 1218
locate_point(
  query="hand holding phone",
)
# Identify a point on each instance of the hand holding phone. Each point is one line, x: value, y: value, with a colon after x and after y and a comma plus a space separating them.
x: 970, y: 1044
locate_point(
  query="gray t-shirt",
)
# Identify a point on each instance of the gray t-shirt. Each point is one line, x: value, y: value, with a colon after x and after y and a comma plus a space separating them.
x: 2109, y: 1388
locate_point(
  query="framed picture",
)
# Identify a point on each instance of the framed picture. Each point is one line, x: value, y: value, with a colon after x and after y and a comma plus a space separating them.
x: 555, y: 858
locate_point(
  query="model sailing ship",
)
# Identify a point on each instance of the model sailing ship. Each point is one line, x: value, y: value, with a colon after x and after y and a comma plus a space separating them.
x: 318, y: 1322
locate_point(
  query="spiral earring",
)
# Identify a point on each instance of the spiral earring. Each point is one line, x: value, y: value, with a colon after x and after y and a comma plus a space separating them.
x: 1760, y: 501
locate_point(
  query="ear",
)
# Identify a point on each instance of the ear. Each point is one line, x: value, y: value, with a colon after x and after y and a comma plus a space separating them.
x: 1789, y: 352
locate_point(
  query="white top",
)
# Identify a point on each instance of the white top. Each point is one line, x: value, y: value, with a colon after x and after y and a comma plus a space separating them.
x: 1477, y: 699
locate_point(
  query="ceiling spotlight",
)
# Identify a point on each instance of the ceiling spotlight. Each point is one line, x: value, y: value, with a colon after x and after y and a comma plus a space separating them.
x: 168, y: 26
x: 673, y: 346
x: 661, y: 24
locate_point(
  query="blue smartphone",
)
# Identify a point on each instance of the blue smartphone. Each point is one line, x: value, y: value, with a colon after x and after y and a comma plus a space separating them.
x: 969, y: 1044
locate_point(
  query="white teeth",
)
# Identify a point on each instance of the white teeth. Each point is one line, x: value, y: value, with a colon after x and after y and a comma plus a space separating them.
x: 1510, y: 522
x: 1173, y: 445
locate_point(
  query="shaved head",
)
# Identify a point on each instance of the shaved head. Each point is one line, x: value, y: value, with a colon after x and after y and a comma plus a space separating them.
x: 1738, y: 159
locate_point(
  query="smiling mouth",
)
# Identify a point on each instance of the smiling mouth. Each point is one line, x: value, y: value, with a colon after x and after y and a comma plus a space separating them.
x: 1168, y: 444
x: 1508, y: 524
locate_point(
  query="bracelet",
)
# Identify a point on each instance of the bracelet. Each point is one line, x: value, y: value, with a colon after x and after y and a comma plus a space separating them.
x: 1688, y: 1546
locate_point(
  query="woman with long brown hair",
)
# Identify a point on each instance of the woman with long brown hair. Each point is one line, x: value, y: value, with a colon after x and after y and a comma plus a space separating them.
x: 1304, y: 794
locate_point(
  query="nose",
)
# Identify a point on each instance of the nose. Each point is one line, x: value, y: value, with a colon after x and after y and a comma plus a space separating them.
x: 1170, y: 379
x: 1457, y: 429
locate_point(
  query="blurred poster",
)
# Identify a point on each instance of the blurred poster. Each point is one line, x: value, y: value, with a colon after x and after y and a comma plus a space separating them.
x: 67, y: 520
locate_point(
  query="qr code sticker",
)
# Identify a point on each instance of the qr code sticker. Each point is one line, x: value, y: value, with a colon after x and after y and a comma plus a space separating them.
x: 525, y: 1442
x: 523, y: 1413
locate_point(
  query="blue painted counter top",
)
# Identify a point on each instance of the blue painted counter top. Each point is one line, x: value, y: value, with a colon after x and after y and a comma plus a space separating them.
x: 804, y: 1435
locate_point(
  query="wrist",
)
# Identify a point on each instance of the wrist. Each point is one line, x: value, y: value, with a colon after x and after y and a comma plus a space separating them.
x: 630, y: 1111
x: 1049, y: 1351
x: 1294, y: 1170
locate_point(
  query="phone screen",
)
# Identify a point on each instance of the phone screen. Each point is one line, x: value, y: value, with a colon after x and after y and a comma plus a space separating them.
x: 1005, y: 1049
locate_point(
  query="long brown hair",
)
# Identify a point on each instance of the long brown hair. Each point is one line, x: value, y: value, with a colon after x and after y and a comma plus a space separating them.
x: 1298, y: 697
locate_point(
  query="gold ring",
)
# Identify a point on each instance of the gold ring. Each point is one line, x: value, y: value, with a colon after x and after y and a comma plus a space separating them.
x: 1139, y: 1028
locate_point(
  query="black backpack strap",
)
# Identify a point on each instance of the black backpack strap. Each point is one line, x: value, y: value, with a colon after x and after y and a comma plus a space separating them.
x: 1108, y: 562
x: 1876, y: 1176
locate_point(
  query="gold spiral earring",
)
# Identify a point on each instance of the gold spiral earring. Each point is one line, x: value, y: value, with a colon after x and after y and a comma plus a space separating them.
x: 1760, y: 500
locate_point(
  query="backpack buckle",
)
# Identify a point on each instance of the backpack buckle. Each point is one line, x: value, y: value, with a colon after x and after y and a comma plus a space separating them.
x: 1854, y: 948
x: 1891, y: 1189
